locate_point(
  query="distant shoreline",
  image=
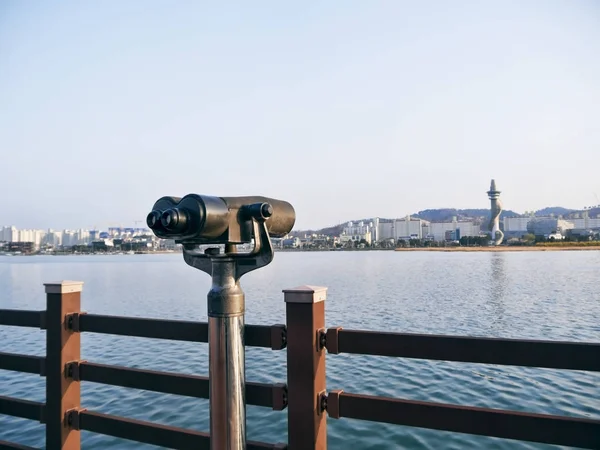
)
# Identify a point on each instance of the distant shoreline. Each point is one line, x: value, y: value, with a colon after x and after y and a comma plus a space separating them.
x: 500, y: 249
x: 157, y: 252
x: 532, y: 248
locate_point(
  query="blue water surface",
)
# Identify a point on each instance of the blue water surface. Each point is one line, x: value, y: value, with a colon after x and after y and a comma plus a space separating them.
x: 539, y: 295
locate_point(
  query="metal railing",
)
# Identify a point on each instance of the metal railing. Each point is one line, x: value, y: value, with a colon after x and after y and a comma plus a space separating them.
x: 305, y: 395
x: 571, y: 431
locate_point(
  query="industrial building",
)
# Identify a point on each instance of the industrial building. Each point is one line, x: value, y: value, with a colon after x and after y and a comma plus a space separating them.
x: 358, y: 231
x: 405, y: 228
x: 442, y: 231
x: 516, y: 224
x: 408, y: 227
x: 586, y: 222
x: 549, y: 226
x: 519, y: 225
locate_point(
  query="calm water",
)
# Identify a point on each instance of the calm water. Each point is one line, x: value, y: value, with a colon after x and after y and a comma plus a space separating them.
x: 549, y: 295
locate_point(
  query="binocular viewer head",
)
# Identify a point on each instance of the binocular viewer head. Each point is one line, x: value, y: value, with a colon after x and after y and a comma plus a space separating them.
x: 203, y: 219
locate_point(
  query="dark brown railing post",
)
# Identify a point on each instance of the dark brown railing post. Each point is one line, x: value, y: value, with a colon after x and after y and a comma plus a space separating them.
x: 305, y: 315
x: 63, y: 302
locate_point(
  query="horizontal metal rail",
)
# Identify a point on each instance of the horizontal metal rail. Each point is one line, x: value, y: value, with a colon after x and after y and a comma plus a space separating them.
x: 512, y: 352
x: 12, y: 446
x: 152, y: 433
x: 22, y: 363
x: 269, y: 336
x: 21, y: 318
x: 260, y: 394
x: 25, y: 409
x: 178, y: 330
x: 568, y: 431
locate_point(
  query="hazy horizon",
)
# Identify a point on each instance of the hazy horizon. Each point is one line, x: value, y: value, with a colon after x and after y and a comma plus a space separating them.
x: 142, y: 223
x: 345, y: 109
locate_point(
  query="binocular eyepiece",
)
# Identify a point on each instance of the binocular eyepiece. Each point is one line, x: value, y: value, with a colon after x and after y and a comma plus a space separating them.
x: 202, y: 219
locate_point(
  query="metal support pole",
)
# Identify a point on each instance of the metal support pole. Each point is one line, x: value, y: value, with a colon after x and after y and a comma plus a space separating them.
x: 227, y: 365
x: 226, y: 358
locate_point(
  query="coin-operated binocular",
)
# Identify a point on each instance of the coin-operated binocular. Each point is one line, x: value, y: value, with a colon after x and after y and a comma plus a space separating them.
x: 196, y: 220
x: 201, y: 219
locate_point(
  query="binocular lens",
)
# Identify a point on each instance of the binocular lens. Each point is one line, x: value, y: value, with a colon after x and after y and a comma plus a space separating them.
x: 153, y: 218
x: 174, y: 219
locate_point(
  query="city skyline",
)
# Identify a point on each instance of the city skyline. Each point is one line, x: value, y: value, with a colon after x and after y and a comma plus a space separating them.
x: 353, y: 233
x: 356, y: 216
x: 461, y: 223
x: 334, y: 107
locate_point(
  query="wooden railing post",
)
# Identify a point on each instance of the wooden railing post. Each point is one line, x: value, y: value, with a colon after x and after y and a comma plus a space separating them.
x: 63, y: 341
x: 305, y: 315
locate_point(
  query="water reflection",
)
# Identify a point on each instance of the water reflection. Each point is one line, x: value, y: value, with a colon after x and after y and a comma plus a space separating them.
x: 498, y: 285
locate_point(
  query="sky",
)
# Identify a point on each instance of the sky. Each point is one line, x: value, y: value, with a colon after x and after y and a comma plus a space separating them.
x: 346, y: 109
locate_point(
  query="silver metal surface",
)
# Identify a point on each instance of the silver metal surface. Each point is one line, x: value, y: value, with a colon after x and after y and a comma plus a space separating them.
x: 225, y: 297
x: 226, y: 357
x: 227, y: 383
x: 226, y: 308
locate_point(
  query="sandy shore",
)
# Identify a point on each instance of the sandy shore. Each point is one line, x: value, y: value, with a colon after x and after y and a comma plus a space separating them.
x: 498, y: 249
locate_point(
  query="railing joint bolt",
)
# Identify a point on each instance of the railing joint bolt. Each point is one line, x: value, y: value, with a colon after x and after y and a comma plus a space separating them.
x: 322, y: 402
x: 321, y: 338
x: 72, y: 418
x: 73, y: 370
x: 278, y: 337
x: 72, y: 321
x: 279, y: 393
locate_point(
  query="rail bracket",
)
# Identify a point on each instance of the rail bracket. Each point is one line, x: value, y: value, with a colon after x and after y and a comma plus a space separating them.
x: 73, y: 369
x: 332, y: 340
x: 72, y: 418
x: 278, y: 337
x: 72, y: 321
x: 321, y: 402
x: 333, y: 404
x: 280, y: 396
x: 329, y: 339
x: 321, y: 339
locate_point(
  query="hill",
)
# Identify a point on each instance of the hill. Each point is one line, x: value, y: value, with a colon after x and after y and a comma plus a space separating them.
x: 335, y: 230
x: 555, y: 210
x: 593, y: 211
